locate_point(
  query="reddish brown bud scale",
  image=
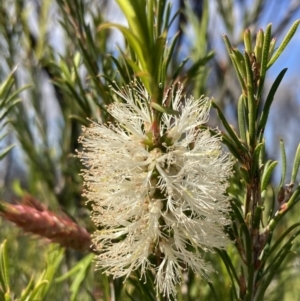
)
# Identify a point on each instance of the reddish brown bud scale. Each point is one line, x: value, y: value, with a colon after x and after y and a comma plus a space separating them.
x: 58, y: 229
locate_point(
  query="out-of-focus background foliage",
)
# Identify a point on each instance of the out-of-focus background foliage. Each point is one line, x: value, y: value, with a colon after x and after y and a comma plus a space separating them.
x: 68, y: 60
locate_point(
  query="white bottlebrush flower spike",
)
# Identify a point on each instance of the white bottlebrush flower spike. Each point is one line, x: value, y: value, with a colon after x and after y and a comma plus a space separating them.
x: 158, y: 204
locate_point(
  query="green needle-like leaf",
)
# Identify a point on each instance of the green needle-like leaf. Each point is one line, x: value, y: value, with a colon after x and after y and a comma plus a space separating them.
x: 4, y: 267
x: 248, y: 243
x: 296, y: 165
x: 242, y: 118
x: 259, y: 147
x: 5, y: 151
x: 229, y: 266
x: 239, y: 60
x: 39, y: 288
x: 283, y: 164
x: 278, y: 241
x: 134, y: 42
x: 284, y: 209
x: 272, y: 270
x: 235, y: 64
x: 250, y: 101
x: 26, y: 293
x: 267, y: 106
x: 163, y: 109
x: 258, y: 50
x: 267, y: 175
x: 264, y: 62
x: 230, y: 131
x: 284, y: 43
x: 248, y: 40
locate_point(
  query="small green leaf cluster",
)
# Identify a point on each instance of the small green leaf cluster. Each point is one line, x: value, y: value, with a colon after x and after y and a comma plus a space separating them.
x: 36, y: 289
x: 8, y: 99
x: 258, y: 209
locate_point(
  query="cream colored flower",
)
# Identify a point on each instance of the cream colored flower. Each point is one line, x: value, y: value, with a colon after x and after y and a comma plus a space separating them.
x: 163, y: 198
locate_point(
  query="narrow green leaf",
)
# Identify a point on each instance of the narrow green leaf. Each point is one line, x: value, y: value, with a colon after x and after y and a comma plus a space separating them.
x: 42, y: 285
x: 54, y: 258
x: 163, y: 109
x: 195, y: 68
x: 274, y: 266
x: 248, y: 244
x: 6, y: 86
x: 161, y: 9
x: 65, y: 71
x: 250, y: 100
x: 122, y: 70
x: 26, y: 293
x: 278, y: 241
x: 150, y: 20
x: 230, y: 52
x: 93, y: 72
x: 283, y: 164
x: 248, y: 40
x: 237, y: 213
x: 296, y: 165
x: 81, y: 275
x: 82, y: 92
x: 4, y: 267
x: 80, y: 99
x: 239, y: 74
x: 168, y: 20
x: 157, y: 57
x: 232, y: 147
x: 257, y: 217
x: 171, y: 49
x: 8, y: 108
x: 272, y: 47
x: 179, y: 68
x: 230, y: 131
x: 255, y: 158
x: 4, y: 152
x: 212, y: 288
x: 256, y: 154
x: 242, y: 118
x: 272, y: 270
x: 86, y: 261
x: 3, y: 135
x: 245, y: 175
x: 264, y: 62
x: 239, y: 59
x: 140, y: 287
x: 230, y: 268
x: 284, y: 43
x: 227, y: 44
x: 105, y: 283
x: 226, y: 10
x: 272, y: 205
x: 144, y: 76
x: 258, y: 50
x: 283, y: 210
x: 267, y: 175
x: 269, y: 101
x: 133, y: 41
x: 249, y: 292
x: 135, y: 13
x: 12, y: 96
